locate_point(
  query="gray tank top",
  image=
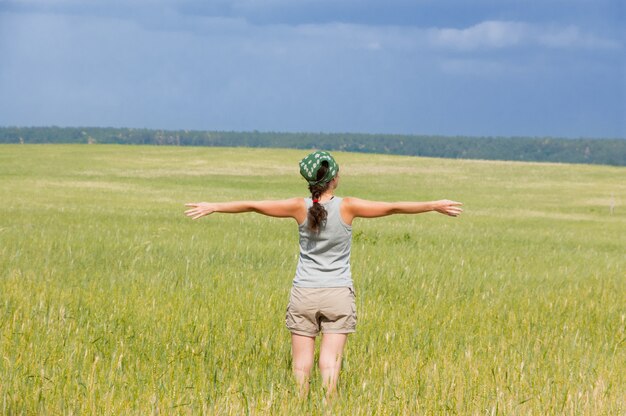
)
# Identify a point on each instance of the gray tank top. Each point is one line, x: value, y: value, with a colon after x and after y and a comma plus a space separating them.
x: 325, y: 257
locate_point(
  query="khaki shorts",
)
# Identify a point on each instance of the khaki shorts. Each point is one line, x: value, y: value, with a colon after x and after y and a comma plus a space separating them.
x: 331, y: 310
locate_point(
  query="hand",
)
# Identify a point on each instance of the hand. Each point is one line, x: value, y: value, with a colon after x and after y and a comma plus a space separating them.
x: 447, y: 207
x: 199, y: 209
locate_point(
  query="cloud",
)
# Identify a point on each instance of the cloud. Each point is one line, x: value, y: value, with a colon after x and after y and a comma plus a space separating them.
x: 403, y: 23
x: 483, y: 35
x: 572, y: 37
x: 507, y: 34
x: 420, y: 13
x: 154, y: 63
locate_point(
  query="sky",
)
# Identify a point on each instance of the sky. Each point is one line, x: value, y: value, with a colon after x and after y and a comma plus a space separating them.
x: 542, y: 68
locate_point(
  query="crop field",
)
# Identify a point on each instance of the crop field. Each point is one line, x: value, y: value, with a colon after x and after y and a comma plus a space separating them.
x: 113, y: 302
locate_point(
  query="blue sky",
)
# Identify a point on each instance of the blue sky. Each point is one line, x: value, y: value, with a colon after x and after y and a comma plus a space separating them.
x: 450, y: 67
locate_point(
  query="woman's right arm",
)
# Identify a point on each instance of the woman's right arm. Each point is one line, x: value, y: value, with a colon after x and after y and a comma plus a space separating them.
x: 355, y: 207
x: 293, y: 208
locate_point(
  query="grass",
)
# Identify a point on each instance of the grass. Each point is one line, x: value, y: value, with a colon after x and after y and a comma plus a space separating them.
x: 112, y: 302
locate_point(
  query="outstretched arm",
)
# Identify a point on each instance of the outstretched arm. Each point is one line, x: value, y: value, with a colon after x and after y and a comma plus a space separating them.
x: 286, y: 208
x: 355, y: 207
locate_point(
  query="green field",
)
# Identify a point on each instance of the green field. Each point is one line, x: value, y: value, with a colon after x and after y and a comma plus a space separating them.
x: 113, y: 302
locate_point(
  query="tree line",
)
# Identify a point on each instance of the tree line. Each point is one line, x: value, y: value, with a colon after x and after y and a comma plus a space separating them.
x: 536, y: 149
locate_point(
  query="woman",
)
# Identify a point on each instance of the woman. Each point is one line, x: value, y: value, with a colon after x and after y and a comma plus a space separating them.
x: 322, y: 296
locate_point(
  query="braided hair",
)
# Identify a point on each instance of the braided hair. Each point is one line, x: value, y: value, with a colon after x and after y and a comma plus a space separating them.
x: 317, y: 213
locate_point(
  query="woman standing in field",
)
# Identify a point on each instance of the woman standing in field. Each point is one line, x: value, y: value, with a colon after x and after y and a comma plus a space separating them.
x: 322, y: 297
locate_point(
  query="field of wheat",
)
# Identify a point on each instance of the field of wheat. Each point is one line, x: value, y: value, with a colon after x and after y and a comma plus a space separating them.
x: 113, y: 302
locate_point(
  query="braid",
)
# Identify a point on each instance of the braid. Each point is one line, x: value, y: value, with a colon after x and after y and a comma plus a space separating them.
x: 317, y: 213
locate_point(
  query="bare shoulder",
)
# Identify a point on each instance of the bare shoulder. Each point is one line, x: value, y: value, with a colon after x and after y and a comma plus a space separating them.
x: 297, y: 201
x: 299, y: 208
x: 349, y: 208
x: 357, y: 207
x: 296, y: 204
x: 350, y: 201
x: 346, y: 203
x: 292, y: 207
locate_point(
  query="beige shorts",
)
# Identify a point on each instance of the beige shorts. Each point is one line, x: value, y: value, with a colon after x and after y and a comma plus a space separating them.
x: 331, y: 310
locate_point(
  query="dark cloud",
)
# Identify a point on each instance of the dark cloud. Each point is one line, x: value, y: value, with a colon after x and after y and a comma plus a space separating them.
x: 423, y: 13
x: 244, y: 65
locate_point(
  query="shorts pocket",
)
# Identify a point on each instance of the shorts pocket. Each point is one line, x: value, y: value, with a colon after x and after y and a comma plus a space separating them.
x: 353, y: 315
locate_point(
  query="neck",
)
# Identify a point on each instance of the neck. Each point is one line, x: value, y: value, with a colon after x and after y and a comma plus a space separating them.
x: 327, y: 196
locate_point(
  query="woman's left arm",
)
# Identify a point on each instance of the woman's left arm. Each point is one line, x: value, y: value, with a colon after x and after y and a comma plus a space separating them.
x: 285, y: 208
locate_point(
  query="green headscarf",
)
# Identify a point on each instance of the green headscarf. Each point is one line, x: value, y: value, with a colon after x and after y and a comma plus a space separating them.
x: 310, y: 165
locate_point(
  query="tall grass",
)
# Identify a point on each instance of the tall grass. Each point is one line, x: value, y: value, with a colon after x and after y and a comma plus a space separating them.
x: 112, y: 302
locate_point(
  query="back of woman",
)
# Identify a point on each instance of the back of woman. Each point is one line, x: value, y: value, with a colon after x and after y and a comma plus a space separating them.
x: 322, y: 299
x: 325, y: 255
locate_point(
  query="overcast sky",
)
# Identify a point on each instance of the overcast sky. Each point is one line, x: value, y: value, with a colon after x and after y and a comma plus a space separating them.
x: 451, y: 67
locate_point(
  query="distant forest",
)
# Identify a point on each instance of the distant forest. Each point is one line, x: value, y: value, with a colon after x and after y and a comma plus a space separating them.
x: 545, y: 149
